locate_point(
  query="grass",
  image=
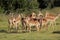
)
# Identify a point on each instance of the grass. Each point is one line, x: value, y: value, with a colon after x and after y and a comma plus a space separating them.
x: 29, y: 36
x: 42, y: 35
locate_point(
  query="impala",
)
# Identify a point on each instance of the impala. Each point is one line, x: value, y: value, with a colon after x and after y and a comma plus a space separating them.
x: 43, y: 21
x: 52, y: 18
x: 11, y: 20
x: 14, y: 22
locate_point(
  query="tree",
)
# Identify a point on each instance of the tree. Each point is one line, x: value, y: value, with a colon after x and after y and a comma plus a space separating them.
x: 21, y: 5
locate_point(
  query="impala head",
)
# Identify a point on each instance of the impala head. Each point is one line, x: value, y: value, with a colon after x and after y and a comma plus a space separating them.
x: 33, y: 15
x: 40, y: 13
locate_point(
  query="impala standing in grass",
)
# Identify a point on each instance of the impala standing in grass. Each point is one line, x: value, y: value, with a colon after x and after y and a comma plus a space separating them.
x: 52, y: 18
x: 14, y: 22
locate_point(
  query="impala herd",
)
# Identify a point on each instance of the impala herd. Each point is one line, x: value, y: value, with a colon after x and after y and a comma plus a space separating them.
x: 28, y: 21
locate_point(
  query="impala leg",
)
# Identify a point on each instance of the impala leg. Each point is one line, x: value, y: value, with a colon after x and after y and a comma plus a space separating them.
x: 29, y: 29
x: 37, y: 28
x: 46, y: 27
x: 53, y: 25
x: 16, y: 27
x: 24, y: 26
x: 40, y: 27
x: 9, y: 28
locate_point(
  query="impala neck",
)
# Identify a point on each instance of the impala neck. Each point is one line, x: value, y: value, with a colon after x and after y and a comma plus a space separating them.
x: 57, y: 16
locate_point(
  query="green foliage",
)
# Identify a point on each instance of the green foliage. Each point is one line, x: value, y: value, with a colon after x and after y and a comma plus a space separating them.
x: 34, y: 4
x: 21, y: 5
x: 24, y: 5
x: 1, y: 10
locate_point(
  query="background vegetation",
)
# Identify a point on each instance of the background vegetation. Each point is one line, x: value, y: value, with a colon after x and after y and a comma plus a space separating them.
x: 7, y: 6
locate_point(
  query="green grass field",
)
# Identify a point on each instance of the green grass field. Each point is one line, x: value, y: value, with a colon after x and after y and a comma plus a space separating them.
x: 42, y: 35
